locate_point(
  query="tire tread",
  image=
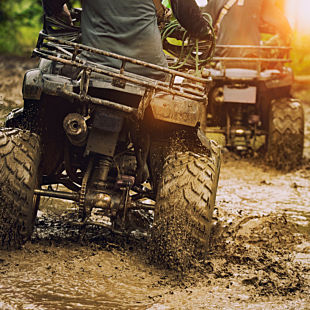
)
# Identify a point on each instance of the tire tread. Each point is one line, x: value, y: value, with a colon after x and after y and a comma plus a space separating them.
x: 19, y: 161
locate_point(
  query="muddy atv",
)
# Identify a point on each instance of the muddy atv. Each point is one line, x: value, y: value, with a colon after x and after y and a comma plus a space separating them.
x: 116, y: 142
x: 253, y: 108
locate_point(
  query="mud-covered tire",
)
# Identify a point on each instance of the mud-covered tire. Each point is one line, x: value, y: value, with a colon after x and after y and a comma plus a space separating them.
x: 184, y: 207
x: 285, y: 134
x: 19, y: 161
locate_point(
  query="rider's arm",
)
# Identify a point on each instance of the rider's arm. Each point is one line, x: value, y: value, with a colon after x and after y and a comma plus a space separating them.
x: 59, y: 9
x: 189, y: 16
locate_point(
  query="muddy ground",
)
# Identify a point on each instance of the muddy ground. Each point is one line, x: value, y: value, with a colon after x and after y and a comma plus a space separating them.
x: 260, y: 255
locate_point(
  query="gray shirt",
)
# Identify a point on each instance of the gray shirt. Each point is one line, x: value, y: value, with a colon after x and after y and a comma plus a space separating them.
x: 129, y: 28
x: 124, y: 27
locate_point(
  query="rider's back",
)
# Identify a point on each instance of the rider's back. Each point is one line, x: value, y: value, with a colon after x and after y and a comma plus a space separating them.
x: 242, y: 25
x: 125, y: 27
x: 239, y: 26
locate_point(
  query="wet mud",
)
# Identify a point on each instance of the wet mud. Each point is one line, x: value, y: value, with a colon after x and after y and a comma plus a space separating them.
x: 259, y: 256
x: 12, y: 71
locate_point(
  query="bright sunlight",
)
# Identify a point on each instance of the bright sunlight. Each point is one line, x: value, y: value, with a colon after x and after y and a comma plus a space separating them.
x: 298, y: 14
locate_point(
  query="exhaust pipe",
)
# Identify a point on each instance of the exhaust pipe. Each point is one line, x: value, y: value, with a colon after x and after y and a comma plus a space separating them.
x: 76, y: 129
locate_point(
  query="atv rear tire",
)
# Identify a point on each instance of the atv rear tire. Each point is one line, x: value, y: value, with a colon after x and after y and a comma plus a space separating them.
x: 19, y: 161
x: 184, y: 207
x: 285, y: 134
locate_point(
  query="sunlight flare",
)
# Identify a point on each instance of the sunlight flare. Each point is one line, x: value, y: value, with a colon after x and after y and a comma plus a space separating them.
x: 297, y: 12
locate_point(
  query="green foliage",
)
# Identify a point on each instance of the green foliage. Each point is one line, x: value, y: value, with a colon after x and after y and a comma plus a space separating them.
x: 20, y: 21
x: 301, y: 54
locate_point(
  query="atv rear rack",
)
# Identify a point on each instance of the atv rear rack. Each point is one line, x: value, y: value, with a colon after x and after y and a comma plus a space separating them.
x: 68, y: 53
x: 260, y: 61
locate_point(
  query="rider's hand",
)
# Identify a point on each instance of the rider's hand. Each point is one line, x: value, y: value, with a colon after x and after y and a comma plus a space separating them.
x: 203, y: 34
x: 65, y: 15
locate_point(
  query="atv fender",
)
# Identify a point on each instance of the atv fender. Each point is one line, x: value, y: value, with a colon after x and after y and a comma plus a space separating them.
x: 33, y: 84
x: 175, y: 109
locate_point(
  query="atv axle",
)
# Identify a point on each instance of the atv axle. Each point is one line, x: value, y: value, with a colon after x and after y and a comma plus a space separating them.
x: 57, y: 194
x: 75, y: 197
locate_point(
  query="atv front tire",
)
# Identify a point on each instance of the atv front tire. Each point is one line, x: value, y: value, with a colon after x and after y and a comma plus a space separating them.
x: 184, y: 207
x: 285, y: 134
x: 19, y: 161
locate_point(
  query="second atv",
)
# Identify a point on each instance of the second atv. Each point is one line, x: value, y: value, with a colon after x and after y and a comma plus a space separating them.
x: 254, y: 109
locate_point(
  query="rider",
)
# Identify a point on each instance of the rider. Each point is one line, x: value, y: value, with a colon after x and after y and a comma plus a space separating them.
x: 239, y: 22
x: 129, y: 28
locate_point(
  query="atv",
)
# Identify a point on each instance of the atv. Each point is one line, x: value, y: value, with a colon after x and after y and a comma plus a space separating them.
x: 117, y: 143
x: 253, y: 108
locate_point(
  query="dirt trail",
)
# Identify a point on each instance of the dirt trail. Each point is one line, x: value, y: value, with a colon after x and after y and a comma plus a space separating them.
x: 260, y: 256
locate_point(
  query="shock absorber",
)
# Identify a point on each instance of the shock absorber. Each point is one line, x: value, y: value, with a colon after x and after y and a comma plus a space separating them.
x: 238, y: 132
x: 101, y: 171
x: 237, y: 120
x: 93, y: 192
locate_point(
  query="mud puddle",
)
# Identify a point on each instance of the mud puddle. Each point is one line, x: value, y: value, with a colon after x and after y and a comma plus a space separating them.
x: 255, y: 189
x: 73, y: 277
x: 260, y: 258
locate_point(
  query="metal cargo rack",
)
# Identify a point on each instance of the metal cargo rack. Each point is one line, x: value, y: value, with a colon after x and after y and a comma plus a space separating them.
x: 259, y: 61
x: 69, y: 53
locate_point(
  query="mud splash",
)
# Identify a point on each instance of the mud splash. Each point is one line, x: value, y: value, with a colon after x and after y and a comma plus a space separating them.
x: 264, y: 246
